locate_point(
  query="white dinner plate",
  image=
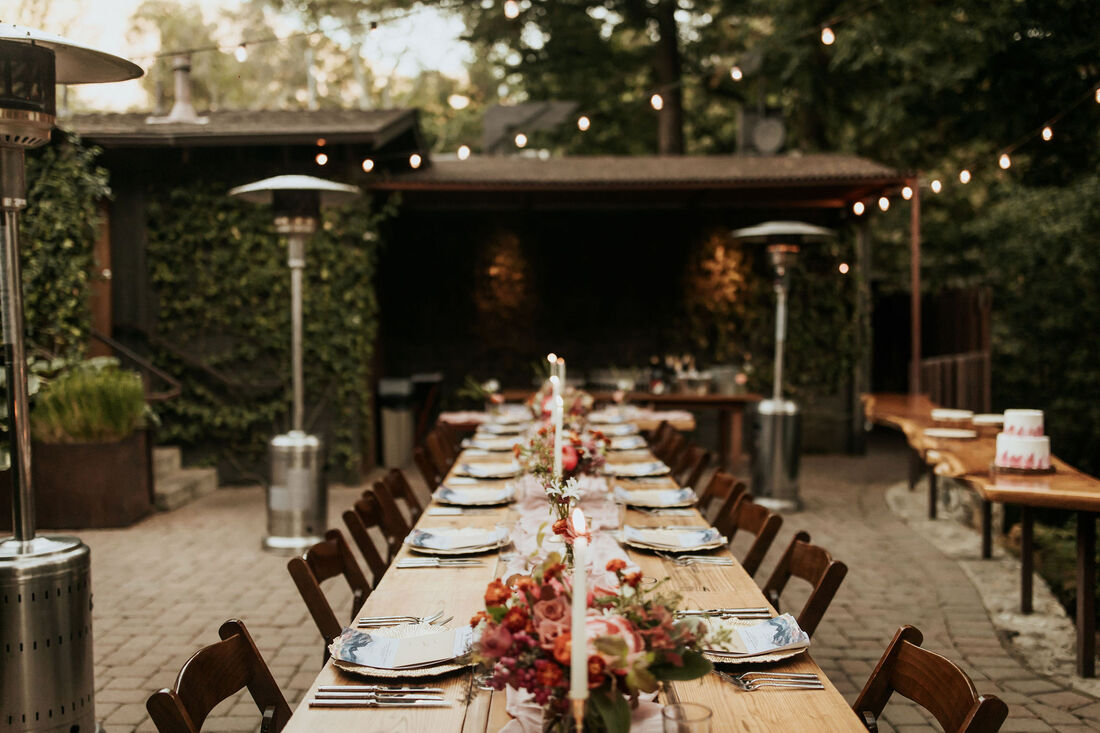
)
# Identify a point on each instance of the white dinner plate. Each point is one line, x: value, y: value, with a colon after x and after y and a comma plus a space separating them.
x: 475, y: 496
x: 943, y: 413
x: 989, y: 420
x: 488, y: 470
x: 626, y: 428
x: 457, y: 540
x: 627, y: 442
x: 673, y: 539
x: 635, y: 470
x: 653, y: 498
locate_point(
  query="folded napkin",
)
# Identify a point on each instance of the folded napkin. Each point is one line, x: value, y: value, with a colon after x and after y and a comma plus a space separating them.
x: 627, y: 442
x: 645, y: 468
x: 672, y: 537
x: 455, y: 538
x: 475, y: 495
x: 489, y: 470
x: 626, y: 428
x: 655, y: 497
x: 778, y: 634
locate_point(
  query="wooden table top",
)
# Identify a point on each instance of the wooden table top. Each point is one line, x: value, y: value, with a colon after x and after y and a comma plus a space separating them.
x: 665, y: 398
x: 460, y: 591
x: 971, y: 460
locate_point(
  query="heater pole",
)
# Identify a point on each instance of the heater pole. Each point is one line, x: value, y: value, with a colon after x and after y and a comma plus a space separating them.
x: 12, y: 200
x: 296, y: 245
x: 780, y: 333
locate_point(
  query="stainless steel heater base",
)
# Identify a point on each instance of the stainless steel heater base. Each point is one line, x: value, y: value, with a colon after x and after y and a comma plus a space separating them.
x: 777, y: 455
x: 47, y: 682
x: 297, y: 498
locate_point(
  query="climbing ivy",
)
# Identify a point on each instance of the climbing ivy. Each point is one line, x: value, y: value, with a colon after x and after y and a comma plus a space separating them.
x: 58, y: 230
x: 223, y: 305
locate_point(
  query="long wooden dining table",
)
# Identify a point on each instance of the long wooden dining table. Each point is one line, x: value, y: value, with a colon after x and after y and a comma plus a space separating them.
x: 460, y: 593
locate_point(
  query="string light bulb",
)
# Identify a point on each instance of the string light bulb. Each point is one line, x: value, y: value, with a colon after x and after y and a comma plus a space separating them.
x: 321, y: 159
x: 463, y: 152
x: 583, y: 123
x: 858, y: 208
x: 241, y: 54
x: 736, y: 74
x: 1005, y: 162
x: 884, y: 203
x: 827, y: 36
x: 1098, y: 95
x: 907, y: 193
x: 843, y: 267
x: 521, y: 140
x: 368, y: 165
x: 936, y: 185
x: 657, y: 102
x: 511, y: 9
x: 1048, y: 133
x: 415, y: 160
x: 964, y: 176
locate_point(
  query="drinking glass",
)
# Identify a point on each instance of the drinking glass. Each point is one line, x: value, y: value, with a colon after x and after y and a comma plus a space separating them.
x: 686, y: 717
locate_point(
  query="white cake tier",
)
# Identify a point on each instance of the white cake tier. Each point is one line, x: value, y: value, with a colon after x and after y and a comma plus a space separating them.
x: 1023, y: 422
x: 1026, y: 452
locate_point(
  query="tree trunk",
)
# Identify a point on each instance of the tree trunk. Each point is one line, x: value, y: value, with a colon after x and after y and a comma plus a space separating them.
x: 666, y: 65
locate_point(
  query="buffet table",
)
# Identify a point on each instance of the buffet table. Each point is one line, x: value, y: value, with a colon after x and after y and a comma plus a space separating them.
x: 460, y: 592
x: 969, y: 461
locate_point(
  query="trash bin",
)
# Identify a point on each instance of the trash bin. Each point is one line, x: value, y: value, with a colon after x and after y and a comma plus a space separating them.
x: 395, y: 398
x: 777, y: 449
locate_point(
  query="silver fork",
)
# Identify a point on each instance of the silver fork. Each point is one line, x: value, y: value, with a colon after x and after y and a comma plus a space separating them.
x: 368, y: 621
x: 687, y: 560
x: 790, y: 684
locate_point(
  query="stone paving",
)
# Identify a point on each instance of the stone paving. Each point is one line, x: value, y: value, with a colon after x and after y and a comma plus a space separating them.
x: 164, y: 586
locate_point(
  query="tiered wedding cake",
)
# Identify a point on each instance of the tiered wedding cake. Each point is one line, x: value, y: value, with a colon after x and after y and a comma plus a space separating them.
x: 1022, y: 445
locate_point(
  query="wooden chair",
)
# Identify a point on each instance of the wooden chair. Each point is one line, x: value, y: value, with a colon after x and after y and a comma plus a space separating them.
x: 428, y: 472
x: 933, y: 682
x: 394, y: 525
x: 400, y: 487
x: 452, y: 439
x: 327, y: 559
x: 216, y: 673
x: 661, y: 434
x: 692, y: 462
x: 439, y: 452
x: 670, y: 449
x: 363, y: 515
x: 761, y: 522
x: 814, y: 565
x: 719, y: 497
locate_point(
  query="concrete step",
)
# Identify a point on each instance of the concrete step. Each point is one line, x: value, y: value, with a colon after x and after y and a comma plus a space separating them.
x: 166, y: 461
x: 183, y: 486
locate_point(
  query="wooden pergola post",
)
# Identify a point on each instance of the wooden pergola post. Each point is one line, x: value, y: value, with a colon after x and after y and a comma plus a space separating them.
x: 914, y: 285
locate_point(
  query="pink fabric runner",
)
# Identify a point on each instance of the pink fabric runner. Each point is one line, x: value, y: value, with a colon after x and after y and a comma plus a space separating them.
x: 527, y: 714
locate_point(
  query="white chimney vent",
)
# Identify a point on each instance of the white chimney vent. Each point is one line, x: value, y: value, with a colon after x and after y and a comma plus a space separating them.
x: 183, y: 111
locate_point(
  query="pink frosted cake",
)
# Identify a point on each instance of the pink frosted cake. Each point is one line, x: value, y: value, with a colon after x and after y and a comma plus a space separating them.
x: 1022, y: 445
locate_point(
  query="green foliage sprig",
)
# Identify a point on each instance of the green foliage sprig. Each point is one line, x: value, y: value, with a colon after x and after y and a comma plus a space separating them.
x: 220, y: 274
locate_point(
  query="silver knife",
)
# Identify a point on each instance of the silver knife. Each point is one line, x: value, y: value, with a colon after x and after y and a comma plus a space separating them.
x: 378, y: 703
x: 380, y: 688
x: 403, y: 696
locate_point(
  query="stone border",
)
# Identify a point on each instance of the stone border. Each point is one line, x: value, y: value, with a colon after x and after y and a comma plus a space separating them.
x: 1043, y: 641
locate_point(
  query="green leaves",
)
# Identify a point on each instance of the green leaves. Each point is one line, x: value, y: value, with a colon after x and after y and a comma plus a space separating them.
x: 695, y: 666
x: 612, y: 708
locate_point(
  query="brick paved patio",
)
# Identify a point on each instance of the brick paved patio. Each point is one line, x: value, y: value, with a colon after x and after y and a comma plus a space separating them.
x: 163, y: 587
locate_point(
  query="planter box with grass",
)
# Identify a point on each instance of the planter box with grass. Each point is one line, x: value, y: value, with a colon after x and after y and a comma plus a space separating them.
x: 91, y: 454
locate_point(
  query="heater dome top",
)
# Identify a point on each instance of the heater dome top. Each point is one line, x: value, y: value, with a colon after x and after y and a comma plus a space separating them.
x: 262, y: 192
x: 771, y: 231
x: 76, y: 63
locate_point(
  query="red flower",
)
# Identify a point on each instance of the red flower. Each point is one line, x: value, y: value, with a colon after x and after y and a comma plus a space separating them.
x: 563, y: 646
x: 596, y: 666
x: 478, y: 618
x: 569, y: 458
x: 615, y: 565
x: 548, y: 674
x: 561, y: 527
x: 633, y: 579
x: 497, y: 593
x: 516, y: 618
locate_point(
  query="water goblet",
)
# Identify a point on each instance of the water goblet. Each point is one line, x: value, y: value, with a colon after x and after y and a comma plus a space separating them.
x: 686, y: 717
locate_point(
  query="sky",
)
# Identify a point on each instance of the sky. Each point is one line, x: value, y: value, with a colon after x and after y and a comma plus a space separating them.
x: 426, y: 40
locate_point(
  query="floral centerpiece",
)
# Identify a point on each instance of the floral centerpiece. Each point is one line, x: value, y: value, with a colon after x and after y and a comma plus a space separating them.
x: 634, y: 642
x: 580, y: 455
x: 576, y: 402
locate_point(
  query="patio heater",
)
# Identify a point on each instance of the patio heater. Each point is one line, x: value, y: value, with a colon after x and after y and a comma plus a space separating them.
x: 297, y: 498
x: 777, y: 428
x: 46, y: 671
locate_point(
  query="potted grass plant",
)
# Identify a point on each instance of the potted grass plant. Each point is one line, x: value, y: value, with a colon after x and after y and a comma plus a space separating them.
x: 91, y: 450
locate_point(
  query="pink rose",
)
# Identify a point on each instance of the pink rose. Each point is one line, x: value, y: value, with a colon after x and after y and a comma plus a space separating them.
x: 551, y: 610
x: 599, y: 625
x: 495, y: 641
x: 569, y: 458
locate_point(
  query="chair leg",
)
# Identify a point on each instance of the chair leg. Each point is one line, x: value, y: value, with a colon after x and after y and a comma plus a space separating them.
x: 987, y: 529
x: 1027, y: 564
x: 933, y: 495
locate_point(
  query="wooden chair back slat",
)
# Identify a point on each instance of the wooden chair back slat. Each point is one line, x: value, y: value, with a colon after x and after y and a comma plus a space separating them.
x: 693, y: 461
x: 442, y: 458
x: 932, y: 681
x: 363, y: 515
x: 394, y: 525
x: 762, y: 523
x: 328, y: 559
x: 400, y: 487
x: 427, y: 469
x: 728, y: 497
x: 814, y: 565
x: 216, y: 673
x: 717, y: 488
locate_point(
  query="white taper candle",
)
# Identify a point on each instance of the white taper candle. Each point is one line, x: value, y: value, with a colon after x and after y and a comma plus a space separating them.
x: 555, y: 411
x: 578, y: 662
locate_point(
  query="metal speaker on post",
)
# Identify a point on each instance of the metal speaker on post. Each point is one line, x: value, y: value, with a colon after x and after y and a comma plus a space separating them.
x: 47, y: 674
x: 777, y: 423
x: 297, y: 496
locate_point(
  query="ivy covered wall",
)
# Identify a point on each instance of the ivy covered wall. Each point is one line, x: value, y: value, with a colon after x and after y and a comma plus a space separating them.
x: 222, y: 313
